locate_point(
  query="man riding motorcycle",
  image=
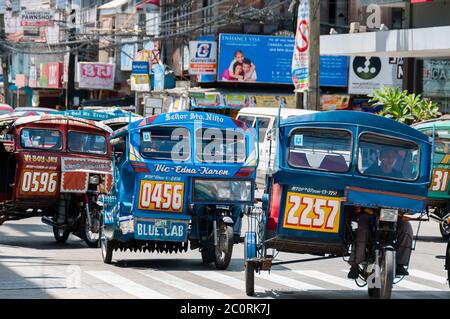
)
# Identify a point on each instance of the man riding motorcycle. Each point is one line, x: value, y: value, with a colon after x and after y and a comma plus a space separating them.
x: 367, y: 222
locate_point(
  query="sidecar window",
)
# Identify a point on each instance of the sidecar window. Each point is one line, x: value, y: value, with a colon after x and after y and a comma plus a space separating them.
x: 166, y: 143
x: 320, y: 149
x: 87, y: 143
x: 40, y: 139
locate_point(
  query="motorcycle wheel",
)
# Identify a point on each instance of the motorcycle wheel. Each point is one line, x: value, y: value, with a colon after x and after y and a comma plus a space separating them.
x: 90, y: 237
x: 208, y: 253
x: 249, y: 278
x: 107, y: 248
x: 444, y: 227
x: 61, y: 235
x: 387, y: 274
x: 224, y: 248
x: 447, y: 262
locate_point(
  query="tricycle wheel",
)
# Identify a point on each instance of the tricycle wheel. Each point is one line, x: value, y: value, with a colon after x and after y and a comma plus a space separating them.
x: 208, y: 253
x: 61, y: 235
x: 447, y: 262
x: 91, y: 234
x: 249, y: 278
x: 224, y: 248
x: 444, y: 227
x: 387, y: 276
x: 107, y: 248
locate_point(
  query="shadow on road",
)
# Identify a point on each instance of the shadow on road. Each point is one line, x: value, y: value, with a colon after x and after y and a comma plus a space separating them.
x: 431, y: 239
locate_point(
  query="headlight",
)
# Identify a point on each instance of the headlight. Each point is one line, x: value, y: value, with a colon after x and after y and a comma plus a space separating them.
x: 94, y: 179
x: 388, y: 215
x: 222, y: 191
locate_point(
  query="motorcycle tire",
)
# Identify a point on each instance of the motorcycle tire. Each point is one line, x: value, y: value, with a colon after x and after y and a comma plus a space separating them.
x: 61, y: 235
x: 91, y: 242
x: 249, y: 278
x: 387, y: 273
x: 444, y: 227
x: 208, y: 253
x: 107, y: 247
x: 224, y: 250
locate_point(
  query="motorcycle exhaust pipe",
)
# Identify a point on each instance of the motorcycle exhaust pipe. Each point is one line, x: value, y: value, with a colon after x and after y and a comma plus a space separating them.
x: 48, y: 221
x: 216, y: 240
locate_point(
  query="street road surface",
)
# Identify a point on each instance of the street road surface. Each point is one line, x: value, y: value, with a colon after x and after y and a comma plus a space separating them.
x: 33, y: 265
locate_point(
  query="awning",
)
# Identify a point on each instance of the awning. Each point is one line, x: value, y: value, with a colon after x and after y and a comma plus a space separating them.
x: 407, y: 43
x: 112, y: 7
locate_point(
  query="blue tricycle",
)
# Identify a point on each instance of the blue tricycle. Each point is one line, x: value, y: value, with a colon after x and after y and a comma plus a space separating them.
x: 180, y: 178
x: 345, y: 184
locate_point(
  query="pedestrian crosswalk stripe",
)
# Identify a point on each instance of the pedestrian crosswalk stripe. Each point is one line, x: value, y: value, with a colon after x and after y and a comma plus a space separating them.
x: 40, y: 233
x: 335, y: 280
x: 187, y: 286
x: 127, y: 285
x: 224, y: 279
x: 428, y: 276
x: 11, y: 232
x: 285, y: 281
x: 414, y: 286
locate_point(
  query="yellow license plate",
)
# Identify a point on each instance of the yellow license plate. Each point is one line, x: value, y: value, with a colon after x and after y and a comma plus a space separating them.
x: 161, y: 196
x: 311, y: 212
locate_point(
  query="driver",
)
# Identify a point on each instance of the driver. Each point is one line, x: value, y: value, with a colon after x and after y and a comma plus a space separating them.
x: 388, y: 159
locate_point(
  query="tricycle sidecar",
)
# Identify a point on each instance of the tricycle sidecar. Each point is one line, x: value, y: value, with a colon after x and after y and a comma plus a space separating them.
x: 55, y: 167
x: 181, y: 178
x: 333, y: 172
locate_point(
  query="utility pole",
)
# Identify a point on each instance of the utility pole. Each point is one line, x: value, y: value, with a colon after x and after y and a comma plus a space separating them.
x: 70, y: 85
x: 5, y: 59
x: 313, y: 97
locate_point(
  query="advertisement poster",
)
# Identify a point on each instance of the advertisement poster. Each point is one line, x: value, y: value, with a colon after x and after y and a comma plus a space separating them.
x: 55, y: 73
x: 300, y: 56
x: 202, y: 57
x: 369, y: 73
x: 436, y: 78
x: 235, y: 100
x: 334, y: 102
x: 206, y: 100
x: 255, y: 58
x: 334, y: 71
x: 271, y: 101
x: 95, y: 75
x: 159, y: 77
x: 37, y: 18
x: 127, y: 55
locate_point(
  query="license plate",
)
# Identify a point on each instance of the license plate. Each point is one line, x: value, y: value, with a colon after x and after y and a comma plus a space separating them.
x: 312, y: 213
x: 161, y: 196
x: 161, y: 229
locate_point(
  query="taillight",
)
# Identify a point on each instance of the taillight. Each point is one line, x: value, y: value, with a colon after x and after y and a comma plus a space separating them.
x: 245, y: 172
x: 139, y: 167
x: 274, y: 207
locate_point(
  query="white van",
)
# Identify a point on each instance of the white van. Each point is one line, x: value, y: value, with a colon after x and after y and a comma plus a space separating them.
x: 266, y: 119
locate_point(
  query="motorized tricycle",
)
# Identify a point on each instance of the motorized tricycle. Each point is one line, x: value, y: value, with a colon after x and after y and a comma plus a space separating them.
x: 55, y: 167
x: 330, y: 176
x: 180, y: 178
x: 439, y: 192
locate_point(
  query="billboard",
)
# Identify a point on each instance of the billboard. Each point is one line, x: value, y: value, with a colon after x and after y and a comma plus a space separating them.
x: 95, y: 75
x: 271, y: 59
x: 37, y: 18
x: 255, y: 58
x: 369, y: 73
x: 202, y: 57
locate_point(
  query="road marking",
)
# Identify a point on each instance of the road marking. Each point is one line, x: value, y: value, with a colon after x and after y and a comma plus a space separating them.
x: 184, y: 285
x: 350, y: 284
x: 12, y: 232
x: 285, y: 281
x: 414, y: 286
x: 40, y: 233
x: 127, y: 285
x: 427, y: 276
x: 224, y: 279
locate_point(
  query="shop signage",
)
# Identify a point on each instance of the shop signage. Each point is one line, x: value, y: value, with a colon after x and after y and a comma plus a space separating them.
x: 37, y: 18
x: 202, y: 57
x: 96, y: 75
